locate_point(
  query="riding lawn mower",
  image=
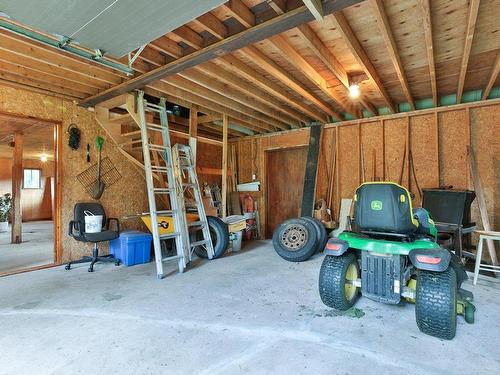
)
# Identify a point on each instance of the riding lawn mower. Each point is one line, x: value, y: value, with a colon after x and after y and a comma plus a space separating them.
x: 389, y: 255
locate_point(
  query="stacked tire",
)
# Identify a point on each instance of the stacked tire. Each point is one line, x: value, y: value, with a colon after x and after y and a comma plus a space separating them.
x: 298, y: 239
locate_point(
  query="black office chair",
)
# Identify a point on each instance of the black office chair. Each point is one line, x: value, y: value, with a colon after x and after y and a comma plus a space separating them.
x: 77, y: 231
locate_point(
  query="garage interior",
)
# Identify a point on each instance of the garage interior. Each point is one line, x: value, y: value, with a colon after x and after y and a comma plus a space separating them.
x: 200, y: 138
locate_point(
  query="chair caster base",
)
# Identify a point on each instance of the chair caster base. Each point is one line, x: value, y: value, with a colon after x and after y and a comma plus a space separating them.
x: 67, y: 267
x: 90, y: 269
x: 117, y: 263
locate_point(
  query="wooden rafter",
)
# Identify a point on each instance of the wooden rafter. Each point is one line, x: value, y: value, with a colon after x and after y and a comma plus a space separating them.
x: 232, y: 43
x: 187, y: 35
x: 269, y: 115
x: 279, y: 6
x: 193, y: 97
x: 328, y: 59
x: 288, y: 80
x: 240, y: 12
x: 426, y: 18
x: 223, y: 75
x: 469, y: 36
x: 316, y: 8
x: 302, y: 65
x: 493, y: 77
x: 238, y: 67
x: 390, y: 42
x: 213, y: 25
x: 339, y: 21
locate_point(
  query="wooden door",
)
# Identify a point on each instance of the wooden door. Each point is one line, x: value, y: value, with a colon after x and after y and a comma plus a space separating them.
x: 285, y: 170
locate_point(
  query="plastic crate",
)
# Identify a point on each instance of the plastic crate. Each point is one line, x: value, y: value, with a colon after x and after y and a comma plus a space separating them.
x: 132, y: 247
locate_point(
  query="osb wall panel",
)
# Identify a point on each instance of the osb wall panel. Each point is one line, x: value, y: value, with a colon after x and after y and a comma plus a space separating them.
x: 438, y: 146
x: 485, y: 140
x: 372, y: 148
x: 453, y: 140
x: 348, y: 161
x: 126, y: 197
x: 424, y: 154
x: 395, y: 140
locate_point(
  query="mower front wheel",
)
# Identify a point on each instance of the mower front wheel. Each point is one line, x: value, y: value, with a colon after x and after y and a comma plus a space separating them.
x: 436, y: 303
x: 336, y: 281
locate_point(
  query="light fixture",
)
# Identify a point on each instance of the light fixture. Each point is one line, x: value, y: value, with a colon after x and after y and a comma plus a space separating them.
x: 354, y: 91
x: 43, y: 158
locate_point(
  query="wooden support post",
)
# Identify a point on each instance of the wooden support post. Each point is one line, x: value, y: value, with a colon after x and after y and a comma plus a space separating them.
x: 17, y: 179
x: 481, y: 200
x: 193, y: 130
x: 225, y: 123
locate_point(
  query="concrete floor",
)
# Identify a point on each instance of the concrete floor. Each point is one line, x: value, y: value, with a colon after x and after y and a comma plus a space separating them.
x: 37, y: 248
x: 250, y: 312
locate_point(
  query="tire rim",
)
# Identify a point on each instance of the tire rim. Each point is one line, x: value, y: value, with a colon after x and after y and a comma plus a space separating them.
x: 294, y: 237
x: 351, y: 276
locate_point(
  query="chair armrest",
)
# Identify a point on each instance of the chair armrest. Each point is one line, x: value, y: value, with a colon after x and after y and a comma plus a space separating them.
x: 74, y: 225
x: 114, y: 219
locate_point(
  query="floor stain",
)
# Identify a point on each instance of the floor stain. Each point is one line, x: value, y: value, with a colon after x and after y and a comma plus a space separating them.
x: 112, y: 296
x: 353, y: 312
x: 27, y: 305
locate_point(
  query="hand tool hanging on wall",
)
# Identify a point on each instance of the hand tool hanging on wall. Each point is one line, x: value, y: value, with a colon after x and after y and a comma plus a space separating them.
x: 98, y: 188
x: 88, y: 152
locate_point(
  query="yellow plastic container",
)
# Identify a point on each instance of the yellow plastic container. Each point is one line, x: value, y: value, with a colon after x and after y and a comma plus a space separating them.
x: 166, y: 223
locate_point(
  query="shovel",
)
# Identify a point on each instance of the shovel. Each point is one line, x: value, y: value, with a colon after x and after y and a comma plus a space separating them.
x: 98, y: 188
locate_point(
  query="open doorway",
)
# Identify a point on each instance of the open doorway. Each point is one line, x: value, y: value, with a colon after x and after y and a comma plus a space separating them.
x: 28, y: 170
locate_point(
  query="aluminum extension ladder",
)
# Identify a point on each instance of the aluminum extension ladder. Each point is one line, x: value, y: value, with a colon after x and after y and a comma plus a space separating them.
x: 185, y: 175
x: 173, y: 188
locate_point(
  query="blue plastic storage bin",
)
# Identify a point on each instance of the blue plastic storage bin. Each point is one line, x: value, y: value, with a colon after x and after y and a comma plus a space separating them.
x: 132, y: 247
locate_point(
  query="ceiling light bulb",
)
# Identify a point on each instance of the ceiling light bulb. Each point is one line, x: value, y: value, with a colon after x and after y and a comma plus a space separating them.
x: 43, y: 158
x: 354, y: 91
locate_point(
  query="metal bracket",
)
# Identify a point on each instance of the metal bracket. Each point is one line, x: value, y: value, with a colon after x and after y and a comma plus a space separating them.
x: 131, y: 59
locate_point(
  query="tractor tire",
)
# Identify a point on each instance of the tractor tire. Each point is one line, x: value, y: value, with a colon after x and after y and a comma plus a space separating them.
x: 320, y: 231
x: 333, y: 288
x: 436, y: 303
x: 219, y: 234
x: 295, y: 240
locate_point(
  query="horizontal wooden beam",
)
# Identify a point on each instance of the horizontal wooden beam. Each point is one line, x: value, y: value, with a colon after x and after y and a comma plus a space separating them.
x: 244, y: 38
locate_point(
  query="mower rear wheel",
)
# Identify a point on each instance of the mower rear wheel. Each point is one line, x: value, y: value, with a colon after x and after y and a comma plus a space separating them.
x: 336, y: 281
x: 436, y: 303
x: 295, y: 240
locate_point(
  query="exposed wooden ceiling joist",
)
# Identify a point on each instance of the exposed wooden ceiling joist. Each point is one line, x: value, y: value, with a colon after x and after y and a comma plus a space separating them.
x: 339, y: 21
x: 493, y: 77
x: 240, y: 68
x: 240, y: 12
x: 303, y: 66
x: 255, y: 34
x: 426, y: 18
x: 277, y: 71
x: 386, y: 31
x: 217, y: 72
x: 213, y: 25
x: 469, y: 36
x: 329, y: 60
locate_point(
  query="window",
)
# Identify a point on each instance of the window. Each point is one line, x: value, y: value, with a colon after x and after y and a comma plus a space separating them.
x: 32, y: 179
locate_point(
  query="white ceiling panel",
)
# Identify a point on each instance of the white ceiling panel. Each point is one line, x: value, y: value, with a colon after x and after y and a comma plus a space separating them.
x: 114, y: 26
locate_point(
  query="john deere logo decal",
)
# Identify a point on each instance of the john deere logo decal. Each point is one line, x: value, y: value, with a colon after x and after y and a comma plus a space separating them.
x: 376, y: 205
